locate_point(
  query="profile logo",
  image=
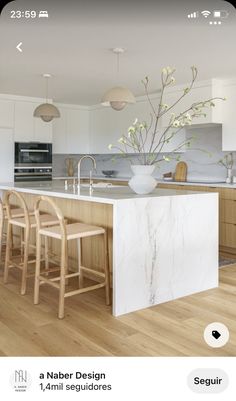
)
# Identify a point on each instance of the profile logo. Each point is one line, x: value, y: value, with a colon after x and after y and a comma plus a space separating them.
x: 20, y: 380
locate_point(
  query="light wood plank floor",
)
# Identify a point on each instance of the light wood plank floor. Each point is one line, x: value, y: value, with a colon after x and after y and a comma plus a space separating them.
x: 171, y: 329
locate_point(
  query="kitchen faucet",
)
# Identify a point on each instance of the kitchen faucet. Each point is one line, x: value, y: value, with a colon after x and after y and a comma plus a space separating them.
x: 90, y: 173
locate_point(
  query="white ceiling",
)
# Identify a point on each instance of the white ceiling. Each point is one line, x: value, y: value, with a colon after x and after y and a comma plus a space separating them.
x: 73, y: 45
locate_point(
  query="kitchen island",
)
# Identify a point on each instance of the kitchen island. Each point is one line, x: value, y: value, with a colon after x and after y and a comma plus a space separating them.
x: 162, y: 246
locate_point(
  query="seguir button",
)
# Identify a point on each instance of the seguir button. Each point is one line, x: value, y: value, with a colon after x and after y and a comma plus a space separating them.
x: 208, y: 381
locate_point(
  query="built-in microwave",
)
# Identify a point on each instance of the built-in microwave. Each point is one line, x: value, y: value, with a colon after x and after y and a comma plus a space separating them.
x: 33, y: 153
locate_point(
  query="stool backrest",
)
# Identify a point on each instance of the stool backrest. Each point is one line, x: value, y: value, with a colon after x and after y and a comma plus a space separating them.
x: 22, y: 203
x: 55, y: 209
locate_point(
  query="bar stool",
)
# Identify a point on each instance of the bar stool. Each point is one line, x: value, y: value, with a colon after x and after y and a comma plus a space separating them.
x: 26, y: 223
x: 15, y: 212
x: 65, y: 233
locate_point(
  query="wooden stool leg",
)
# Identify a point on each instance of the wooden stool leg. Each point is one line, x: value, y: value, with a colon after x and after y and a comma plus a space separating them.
x: 8, y: 251
x: 37, y: 269
x: 66, y: 263
x: 61, y: 312
x: 25, y: 261
x: 21, y: 243
x: 11, y: 241
x: 1, y: 238
x: 46, y: 253
x: 81, y: 276
x: 106, y: 269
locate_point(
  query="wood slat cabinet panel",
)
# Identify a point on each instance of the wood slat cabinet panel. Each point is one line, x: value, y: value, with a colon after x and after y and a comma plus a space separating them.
x: 227, y: 220
x: 228, y: 235
x: 228, y: 211
x: 227, y: 193
x: 200, y: 188
x: 120, y: 183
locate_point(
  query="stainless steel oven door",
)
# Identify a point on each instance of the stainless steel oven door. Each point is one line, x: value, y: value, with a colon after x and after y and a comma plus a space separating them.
x: 33, y: 153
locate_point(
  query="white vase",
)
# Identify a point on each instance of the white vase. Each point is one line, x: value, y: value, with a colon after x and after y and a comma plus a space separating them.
x: 142, y: 182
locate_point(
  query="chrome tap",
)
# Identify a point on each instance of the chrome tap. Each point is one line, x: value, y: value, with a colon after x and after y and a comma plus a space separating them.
x: 79, y: 167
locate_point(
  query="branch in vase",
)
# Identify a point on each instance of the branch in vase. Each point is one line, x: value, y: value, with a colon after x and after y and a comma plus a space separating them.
x: 186, y: 90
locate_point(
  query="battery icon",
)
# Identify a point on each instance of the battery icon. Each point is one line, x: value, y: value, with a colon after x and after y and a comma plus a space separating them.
x: 220, y: 14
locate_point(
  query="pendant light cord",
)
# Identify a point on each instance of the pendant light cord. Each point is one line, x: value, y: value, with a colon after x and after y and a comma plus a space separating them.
x: 46, y: 89
x: 118, y: 63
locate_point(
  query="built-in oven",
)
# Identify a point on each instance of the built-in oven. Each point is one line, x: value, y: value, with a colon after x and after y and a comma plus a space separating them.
x: 33, y: 161
x: 26, y: 174
x: 33, y: 153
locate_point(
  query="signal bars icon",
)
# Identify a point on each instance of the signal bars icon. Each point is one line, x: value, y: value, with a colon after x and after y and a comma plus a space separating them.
x: 195, y: 14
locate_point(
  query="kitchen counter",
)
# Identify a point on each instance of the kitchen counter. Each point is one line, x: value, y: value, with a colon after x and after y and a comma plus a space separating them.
x: 108, y: 195
x: 217, y: 184
x: 162, y: 246
x: 199, y: 184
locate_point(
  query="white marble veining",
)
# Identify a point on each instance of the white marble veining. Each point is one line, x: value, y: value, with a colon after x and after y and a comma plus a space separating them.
x: 165, y: 244
x: 164, y: 248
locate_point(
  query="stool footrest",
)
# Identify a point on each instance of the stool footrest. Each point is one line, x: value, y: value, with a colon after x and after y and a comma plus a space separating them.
x: 44, y: 280
x: 95, y: 272
x: 50, y: 270
x: 82, y: 290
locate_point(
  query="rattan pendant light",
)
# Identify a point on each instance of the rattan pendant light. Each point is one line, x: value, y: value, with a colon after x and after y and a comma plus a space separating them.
x: 46, y: 111
x: 118, y: 97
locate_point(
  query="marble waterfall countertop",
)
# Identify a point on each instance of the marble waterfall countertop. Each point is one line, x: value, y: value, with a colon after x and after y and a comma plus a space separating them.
x: 109, y: 195
x: 165, y: 244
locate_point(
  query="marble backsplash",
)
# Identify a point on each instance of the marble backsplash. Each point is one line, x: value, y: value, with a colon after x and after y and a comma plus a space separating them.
x: 202, y: 158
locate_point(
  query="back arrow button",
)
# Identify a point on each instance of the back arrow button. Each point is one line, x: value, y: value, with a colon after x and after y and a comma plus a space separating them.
x: 18, y: 47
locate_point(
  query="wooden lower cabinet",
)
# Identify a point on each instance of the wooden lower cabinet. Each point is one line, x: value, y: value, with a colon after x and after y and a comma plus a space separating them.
x: 228, y: 235
x: 227, y: 214
x: 228, y: 211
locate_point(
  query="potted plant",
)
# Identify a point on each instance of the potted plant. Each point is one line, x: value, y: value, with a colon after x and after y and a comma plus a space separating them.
x: 147, y: 140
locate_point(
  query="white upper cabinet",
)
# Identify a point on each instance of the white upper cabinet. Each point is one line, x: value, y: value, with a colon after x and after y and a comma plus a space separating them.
x: 229, y: 111
x: 203, y: 91
x: 59, y: 140
x: 24, y: 122
x: 6, y: 113
x: 92, y: 129
x: 71, y: 130
x: 77, y: 131
x: 42, y: 130
x: 108, y: 125
x: 29, y: 128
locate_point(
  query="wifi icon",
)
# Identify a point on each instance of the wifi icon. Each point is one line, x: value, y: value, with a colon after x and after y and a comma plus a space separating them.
x: 205, y: 13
